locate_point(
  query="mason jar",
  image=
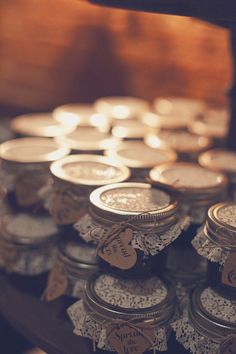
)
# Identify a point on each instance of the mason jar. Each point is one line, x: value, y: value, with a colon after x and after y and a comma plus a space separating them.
x: 187, y: 146
x: 125, y: 316
x: 222, y: 160
x: 141, y: 158
x: 75, y: 263
x: 209, y: 325
x: 38, y: 125
x: 216, y: 242
x: 74, y: 178
x: 27, y: 248
x: 25, y: 169
x: 132, y: 225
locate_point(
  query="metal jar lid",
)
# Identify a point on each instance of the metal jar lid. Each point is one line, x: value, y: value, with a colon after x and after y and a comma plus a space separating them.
x: 137, y: 155
x: 83, y: 115
x: 190, y: 180
x: 89, y: 170
x: 164, y: 122
x: 179, y: 141
x: 220, y: 225
x: 137, y: 203
x: 132, y: 129
x: 206, y: 323
x: 220, y: 160
x: 85, y: 139
x: 39, y: 125
x: 32, y: 151
x: 162, y: 309
x: 121, y: 107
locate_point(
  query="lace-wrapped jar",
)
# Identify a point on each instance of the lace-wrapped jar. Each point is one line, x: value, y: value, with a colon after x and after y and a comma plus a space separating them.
x: 74, y: 178
x: 25, y: 169
x: 209, y: 326
x: 38, y: 125
x: 81, y: 115
x: 125, y: 316
x: 187, y: 146
x: 217, y: 243
x: 87, y: 140
x: 141, y: 158
x: 224, y: 161
x: 132, y: 224
x: 75, y: 263
x: 27, y: 247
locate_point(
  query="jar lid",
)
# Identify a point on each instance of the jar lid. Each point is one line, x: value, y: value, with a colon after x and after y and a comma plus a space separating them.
x: 28, y: 229
x: 121, y: 107
x: 212, y: 315
x: 39, y: 125
x: 32, y: 150
x: 139, y: 155
x: 89, y: 170
x: 189, y: 179
x: 184, y: 106
x: 138, y: 201
x: 87, y: 139
x: 221, y: 224
x: 129, y: 129
x: 113, y: 297
x: 85, y: 115
x: 219, y: 159
x: 180, y: 141
x: 168, y: 122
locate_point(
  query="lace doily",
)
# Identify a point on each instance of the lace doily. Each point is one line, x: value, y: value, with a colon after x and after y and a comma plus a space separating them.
x: 133, y: 294
x: 151, y: 242
x: 208, y: 249
x: 86, y: 326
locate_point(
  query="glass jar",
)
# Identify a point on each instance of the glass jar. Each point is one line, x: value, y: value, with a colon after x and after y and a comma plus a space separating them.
x: 125, y: 316
x: 129, y: 129
x: 217, y: 243
x: 74, y: 264
x: 25, y: 169
x: 140, y: 158
x: 224, y: 161
x: 74, y: 178
x: 88, y: 140
x: 81, y: 115
x: 132, y: 224
x: 209, y: 325
x: 38, y: 125
x: 187, y: 146
x: 28, y: 245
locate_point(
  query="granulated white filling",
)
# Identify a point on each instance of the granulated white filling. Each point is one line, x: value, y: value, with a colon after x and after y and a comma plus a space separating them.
x: 227, y: 215
x: 83, y: 253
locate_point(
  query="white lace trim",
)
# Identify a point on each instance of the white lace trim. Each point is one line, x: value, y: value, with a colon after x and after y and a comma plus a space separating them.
x: 154, y: 242
x: 206, y: 248
x: 86, y: 326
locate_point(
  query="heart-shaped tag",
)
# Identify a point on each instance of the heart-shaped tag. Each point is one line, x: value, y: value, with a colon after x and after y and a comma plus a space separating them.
x: 118, y: 252
x: 57, y: 283
x: 229, y: 270
x: 125, y: 339
x: 27, y: 187
x: 228, y: 346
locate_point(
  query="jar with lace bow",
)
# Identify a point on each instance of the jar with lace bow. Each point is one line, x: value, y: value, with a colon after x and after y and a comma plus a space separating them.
x: 74, y: 178
x: 74, y: 264
x: 209, y: 325
x: 27, y: 248
x: 224, y: 161
x: 132, y: 225
x: 125, y: 316
x: 216, y: 241
x: 25, y: 169
x: 141, y: 158
x: 197, y: 189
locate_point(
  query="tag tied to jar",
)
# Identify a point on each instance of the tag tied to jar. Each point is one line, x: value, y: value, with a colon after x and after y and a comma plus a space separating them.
x: 228, y: 346
x: 126, y: 337
x: 229, y: 270
x: 57, y: 283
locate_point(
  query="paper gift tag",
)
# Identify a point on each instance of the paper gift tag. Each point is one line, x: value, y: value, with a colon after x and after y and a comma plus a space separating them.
x: 57, y: 283
x: 125, y: 339
x: 118, y: 252
x: 8, y: 255
x: 27, y: 187
x: 65, y: 210
x: 229, y: 270
x: 228, y: 346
